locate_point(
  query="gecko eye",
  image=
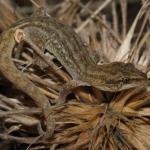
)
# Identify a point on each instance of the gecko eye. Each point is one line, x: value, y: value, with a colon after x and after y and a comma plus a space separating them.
x: 125, y: 80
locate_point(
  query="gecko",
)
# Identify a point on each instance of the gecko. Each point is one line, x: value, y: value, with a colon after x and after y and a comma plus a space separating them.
x: 61, y: 41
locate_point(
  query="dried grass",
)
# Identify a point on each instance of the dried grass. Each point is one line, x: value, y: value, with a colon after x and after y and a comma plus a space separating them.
x: 90, y: 119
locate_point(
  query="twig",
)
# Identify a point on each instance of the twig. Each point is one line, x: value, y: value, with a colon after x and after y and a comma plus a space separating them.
x: 123, y: 4
x: 104, y: 43
x: 22, y: 62
x: 132, y: 52
x: 51, y: 95
x: 35, y: 3
x: 139, y: 46
x: 115, y: 17
x: 8, y: 101
x: 27, y: 140
x: 100, y: 8
x: 20, y: 111
x: 124, y: 49
x: 103, y: 24
x: 37, y: 79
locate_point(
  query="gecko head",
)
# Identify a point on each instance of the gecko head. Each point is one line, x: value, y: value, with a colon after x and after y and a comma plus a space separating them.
x: 127, y: 76
x: 119, y: 76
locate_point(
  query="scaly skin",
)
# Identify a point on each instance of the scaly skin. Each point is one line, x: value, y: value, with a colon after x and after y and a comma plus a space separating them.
x: 67, y: 47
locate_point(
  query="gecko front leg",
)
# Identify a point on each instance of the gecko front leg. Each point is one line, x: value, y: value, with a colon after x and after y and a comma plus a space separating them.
x: 67, y: 89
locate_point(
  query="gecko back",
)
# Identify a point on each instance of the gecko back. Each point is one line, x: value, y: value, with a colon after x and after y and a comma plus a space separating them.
x: 59, y: 40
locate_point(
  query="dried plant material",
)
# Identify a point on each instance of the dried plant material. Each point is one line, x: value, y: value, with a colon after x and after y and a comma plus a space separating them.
x: 11, y: 16
x: 89, y: 118
x: 125, y: 47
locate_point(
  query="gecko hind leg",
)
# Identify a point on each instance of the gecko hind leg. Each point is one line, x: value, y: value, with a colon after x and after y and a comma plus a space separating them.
x: 67, y: 89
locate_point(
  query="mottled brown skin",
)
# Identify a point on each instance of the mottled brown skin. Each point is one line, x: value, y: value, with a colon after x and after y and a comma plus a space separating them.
x: 116, y: 76
x: 67, y: 47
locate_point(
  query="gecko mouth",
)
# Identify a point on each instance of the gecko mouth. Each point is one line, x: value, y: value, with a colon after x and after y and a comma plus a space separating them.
x: 134, y: 83
x: 123, y: 85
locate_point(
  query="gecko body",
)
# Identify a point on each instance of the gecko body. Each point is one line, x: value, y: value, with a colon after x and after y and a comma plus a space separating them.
x: 61, y: 41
